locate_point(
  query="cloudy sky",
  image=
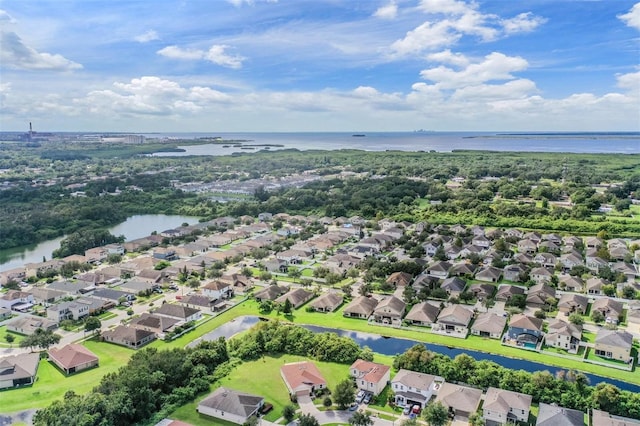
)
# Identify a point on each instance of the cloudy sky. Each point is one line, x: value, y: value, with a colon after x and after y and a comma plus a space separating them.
x: 319, y: 65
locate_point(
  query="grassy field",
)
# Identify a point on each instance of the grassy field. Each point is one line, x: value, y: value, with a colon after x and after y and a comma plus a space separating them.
x: 17, y: 337
x: 51, y: 384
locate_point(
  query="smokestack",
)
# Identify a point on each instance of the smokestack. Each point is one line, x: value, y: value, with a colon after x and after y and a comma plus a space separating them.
x: 30, y: 128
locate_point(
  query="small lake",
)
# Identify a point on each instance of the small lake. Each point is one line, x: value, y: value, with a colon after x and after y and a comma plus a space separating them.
x: 134, y: 227
x: 393, y: 346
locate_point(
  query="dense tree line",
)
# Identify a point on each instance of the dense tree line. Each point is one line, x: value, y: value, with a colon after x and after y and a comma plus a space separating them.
x: 152, y: 384
x: 78, y: 242
x: 569, y: 389
x: 275, y: 337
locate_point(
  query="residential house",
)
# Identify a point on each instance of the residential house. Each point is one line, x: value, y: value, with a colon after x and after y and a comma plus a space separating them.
x: 15, y: 274
x: 5, y: 314
x: 489, y: 274
x: 482, y: 291
x: 570, y: 260
x: 572, y: 241
x: 68, y: 310
x: 507, y: 291
x: 629, y: 270
x: 554, y: 415
x: 538, y: 295
x: 389, y: 310
x: 15, y: 299
x: 514, y: 272
x: 230, y: 405
x: 165, y: 253
x: 527, y: 246
x: 111, y: 295
x: 137, y: 286
x: 239, y: 283
x: 216, y: 290
x: 360, y: 307
x: 541, y: 275
x: 18, y: 370
x: 610, y: 309
x: 453, y: 286
x: 271, y: 292
x: 563, y: 335
x: 157, y: 324
x: 370, y: 376
x: 73, y: 358
x: 481, y: 241
x: 546, y: 260
x: 180, y: 312
x: 490, y: 325
x: 328, y: 302
x: 506, y: 407
x: 603, y: 418
x: 570, y: 283
x: 276, y: 265
x: 130, y: 337
x: 411, y: 388
x: 595, y: 263
x: 594, y: 285
x: 439, y: 269
x: 571, y: 302
x: 96, y: 254
x: 614, y: 344
x: 197, y: 301
x: 523, y: 258
x: 423, y: 314
x: 536, y: 237
x: 525, y: 331
x: 294, y: 256
x: 463, y: 269
x: 297, y: 297
x: 400, y: 279
x: 71, y: 288
x: 302, y: 378
x: 28, y: 324
x: 453, y: 320
x: 460, y: 401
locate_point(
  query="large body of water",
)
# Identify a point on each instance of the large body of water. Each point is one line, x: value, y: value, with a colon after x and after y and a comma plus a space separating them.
x: 626, y: 143
x: 393, y: 346
x: 134, y: 227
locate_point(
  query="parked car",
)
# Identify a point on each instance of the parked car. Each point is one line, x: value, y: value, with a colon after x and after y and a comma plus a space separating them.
x: 359, y: 396
x: 353, y: 407
x: 406, y: 410
x: 416, y: 409
x: 367, y: 398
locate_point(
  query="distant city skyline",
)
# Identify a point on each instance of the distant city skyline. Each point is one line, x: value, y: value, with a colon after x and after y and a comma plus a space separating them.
x: 318, y: 65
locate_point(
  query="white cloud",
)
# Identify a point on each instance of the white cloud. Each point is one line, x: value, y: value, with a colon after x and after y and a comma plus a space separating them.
x: 522, y: 23
x: 630, y: 81
x: 147, y: 36
x: 389, y: 11
x: 6, y: 18
x: 495, y: 66
x: 449, y: 20
x: 15, y: 54
x: 239, y: 3
x: 632, y: 18
x: 447, y: 57
x: 216, y: 54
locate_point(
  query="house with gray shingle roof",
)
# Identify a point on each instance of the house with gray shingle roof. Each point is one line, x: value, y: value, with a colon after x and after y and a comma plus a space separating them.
x: 461, y: 401
x: 128, y: 336
x: 297, y: 297
x: 230, y: 405
x: 488, y: 324
x: 389, y: 310
x: 18, y: 370
x: 613, y: 344
x: 554, y: 415
x: 424, y: 314
x: 328, y: 302
x: 506, y: 407
x: 563, y: 335
x: 453, y: 320
x: 571, y: 302
x: 360, y: 307
x: 271, y: 292
x: 410, y: 388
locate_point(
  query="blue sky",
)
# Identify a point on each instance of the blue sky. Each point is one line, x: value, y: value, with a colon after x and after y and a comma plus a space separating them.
x: 319, y: 65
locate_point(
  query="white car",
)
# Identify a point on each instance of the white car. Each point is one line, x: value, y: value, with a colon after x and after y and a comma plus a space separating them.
x: 359, y: 396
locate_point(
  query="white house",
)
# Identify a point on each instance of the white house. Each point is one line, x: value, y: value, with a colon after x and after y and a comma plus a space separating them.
x: 230, y: 405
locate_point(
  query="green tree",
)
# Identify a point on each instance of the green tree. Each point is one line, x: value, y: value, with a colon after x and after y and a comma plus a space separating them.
x: 41, y: 339
x: 247, y: 272
x: 436, y: 414
x: 288, y: 412
x: 10, y: 338
x: 308, y: 420
x: 576, y: 318
x: 12, y: 285
x: 344, y: 394
x: 327, y: 402
x: 294, y: 273
x: 597, y: 316
x: 287, y: 306
x: 92, y: 324
x: 361, y: 419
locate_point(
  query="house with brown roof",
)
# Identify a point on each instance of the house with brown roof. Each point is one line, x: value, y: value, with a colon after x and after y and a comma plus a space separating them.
x: 360, y: 307
x: 158, y: 324
x: 614, y: 344
x: 217, y: 289
x: 389, y: 310
x: 460, y: 401
x: 328, y: 302
x: 180, y: 312
x: 482, y: 291
x: 454, y: 321
x: 297, y: 297
x: 302, y: 378
x: 399, y: 279
x: 73, y: 358
x: 271, y: 292
x: 541, y: 275
x: 570, y: 283
x: 197, y: 301
x: 489, y: 274
x: 490, y: 325
x: 524, y: 331
x: 603, y: 418
x: 453, y: 286
x: 230, y: 405
x: 571, y: 302
x: 130, y: 337
x: 411, y: 388
x: 507, y: 291
x: 563, y: 335
x: 423, y: 314
x: 506, y: 407
x: 462, y: 269
x: 514, y: 272
x: 370, y: 376
x: 28, y: 324
x: 538, y: 295
x: 439, y: 269
x: 609, y: 308
x: 18, y: 370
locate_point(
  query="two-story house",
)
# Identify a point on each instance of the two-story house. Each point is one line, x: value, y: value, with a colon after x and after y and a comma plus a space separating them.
x: 506, y: 407
x: 411, y: 388
x: 370, y: 376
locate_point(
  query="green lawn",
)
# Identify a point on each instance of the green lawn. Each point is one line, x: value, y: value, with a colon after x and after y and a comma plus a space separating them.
x: 262, y: 377
x: 17, y: 337
x: 51, y: 384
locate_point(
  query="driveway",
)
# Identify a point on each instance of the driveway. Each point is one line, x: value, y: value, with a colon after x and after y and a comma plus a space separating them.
x: 335, y: 416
